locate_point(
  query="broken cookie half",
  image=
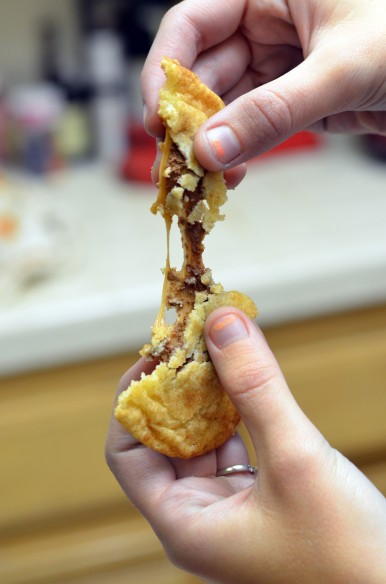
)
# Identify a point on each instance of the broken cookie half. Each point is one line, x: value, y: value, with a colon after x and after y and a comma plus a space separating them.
x: 180, y: 409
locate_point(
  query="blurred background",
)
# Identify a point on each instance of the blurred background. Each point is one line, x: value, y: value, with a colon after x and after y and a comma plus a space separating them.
x: 80, y: 282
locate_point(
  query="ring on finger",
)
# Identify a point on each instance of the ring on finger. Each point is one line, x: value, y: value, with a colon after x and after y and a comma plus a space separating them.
x: 236, y: 469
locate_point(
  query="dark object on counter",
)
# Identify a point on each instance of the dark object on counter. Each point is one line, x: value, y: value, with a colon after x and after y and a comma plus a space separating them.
x: 50, y: 49
x: 375, y: 145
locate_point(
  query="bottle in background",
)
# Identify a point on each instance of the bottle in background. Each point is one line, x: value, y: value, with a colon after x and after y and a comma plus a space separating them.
x: 73, y: 136
x: 34, y: 112
x: 107, y: 74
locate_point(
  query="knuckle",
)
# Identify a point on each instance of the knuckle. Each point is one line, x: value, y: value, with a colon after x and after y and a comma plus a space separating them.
x: 171, y: 19
x: 171, y: 14
x: 255, y: 378
x: 275, y: 110
x: 179, y: 18
x: 252, y: 374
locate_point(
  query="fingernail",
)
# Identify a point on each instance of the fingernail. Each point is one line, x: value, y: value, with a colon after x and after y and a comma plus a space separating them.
x: 227, y: 329
x: 224, y: 144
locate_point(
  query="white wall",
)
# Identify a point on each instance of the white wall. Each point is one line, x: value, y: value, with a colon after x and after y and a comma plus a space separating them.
x: 19, y: 22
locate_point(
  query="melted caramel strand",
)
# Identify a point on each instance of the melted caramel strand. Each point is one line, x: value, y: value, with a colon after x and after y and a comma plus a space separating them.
x: 180, y: 287
x: 192, y: 234
x: 160, y: 205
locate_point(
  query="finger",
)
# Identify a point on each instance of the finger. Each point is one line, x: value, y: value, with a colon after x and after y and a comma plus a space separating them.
x: 233, y: 176
x: 200, y: 466
x: 187, y: 29
x: 247, y: 83
x: 222, y: 66
x: 119, y: 439
x: 143, y: 365
x: 367, y: 122
x: 268, y: 64
x: 252, y: 378
x: 273, y: 61
x: 232, y: 452
x: 259, y: 120
x: 142, y: 473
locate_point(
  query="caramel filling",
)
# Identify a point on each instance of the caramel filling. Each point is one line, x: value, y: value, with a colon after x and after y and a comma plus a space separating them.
x: 180, y: 286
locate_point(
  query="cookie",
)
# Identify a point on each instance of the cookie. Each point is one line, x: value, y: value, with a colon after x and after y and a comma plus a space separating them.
x: 180, y: 409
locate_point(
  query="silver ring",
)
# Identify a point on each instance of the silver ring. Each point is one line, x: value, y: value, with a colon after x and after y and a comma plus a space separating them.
x: 237, y: 468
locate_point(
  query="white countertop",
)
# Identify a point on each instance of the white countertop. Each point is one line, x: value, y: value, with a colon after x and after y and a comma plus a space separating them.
x: 304, y: 234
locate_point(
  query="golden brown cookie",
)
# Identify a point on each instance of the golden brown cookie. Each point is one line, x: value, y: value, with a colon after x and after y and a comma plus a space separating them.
x: 180, y: 409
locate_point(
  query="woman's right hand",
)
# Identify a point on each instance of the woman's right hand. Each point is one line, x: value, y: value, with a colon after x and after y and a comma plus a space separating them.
x: 281, y: 66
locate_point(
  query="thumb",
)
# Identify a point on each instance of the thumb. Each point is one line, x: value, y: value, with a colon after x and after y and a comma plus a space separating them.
x: 259, y: 120
x: 251, y: 376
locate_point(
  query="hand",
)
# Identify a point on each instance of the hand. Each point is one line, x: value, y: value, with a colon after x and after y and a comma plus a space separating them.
x: 282, y: 66
x: 309, y: 517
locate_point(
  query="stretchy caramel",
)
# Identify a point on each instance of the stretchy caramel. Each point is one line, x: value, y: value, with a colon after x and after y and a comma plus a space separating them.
x: 180, y: 409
